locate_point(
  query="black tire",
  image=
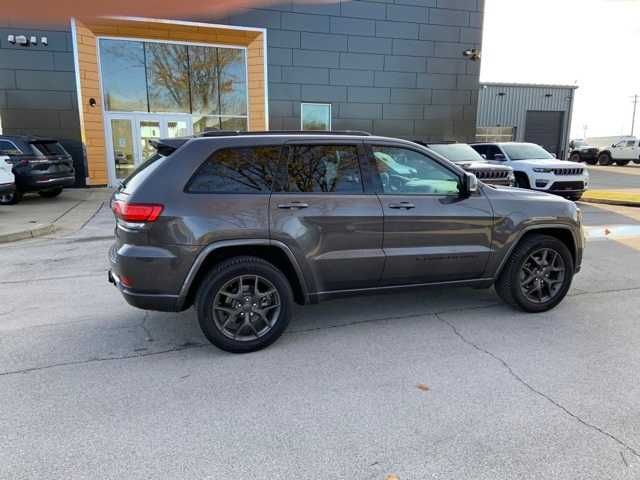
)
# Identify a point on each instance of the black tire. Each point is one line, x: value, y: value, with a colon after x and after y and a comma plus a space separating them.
x: 11, y: 198
x: 622, y: 163
x: 53, y: 192
x: 575, y: 157
x: 592, y: 161
x: 508, y: 286
x: 522, y: 181
x: 218, y: 279
x: 575, y: 197
x: 636, y: 160
x: 605, y: 158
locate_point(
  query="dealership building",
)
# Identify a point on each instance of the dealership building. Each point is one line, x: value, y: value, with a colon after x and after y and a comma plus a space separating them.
x: 106, y: 87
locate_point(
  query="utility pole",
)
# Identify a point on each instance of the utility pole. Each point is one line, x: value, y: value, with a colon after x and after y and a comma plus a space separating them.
x: 633, y: 119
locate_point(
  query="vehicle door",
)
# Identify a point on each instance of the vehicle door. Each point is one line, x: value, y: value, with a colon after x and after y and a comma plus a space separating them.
x: 629, y: 151
x: 433, y: 232
x: 321, y: 210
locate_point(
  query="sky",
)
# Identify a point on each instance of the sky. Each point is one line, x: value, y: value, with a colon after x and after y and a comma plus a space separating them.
x: 590, y: 43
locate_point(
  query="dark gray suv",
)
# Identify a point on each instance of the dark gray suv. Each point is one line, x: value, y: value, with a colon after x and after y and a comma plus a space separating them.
x: 243, y: 225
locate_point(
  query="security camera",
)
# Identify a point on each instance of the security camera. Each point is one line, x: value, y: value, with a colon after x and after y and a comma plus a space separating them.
x: 473, y: 54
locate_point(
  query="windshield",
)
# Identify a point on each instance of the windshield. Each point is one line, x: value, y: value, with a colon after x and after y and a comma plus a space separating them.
x: 526, y: 151
x: 457, y: 152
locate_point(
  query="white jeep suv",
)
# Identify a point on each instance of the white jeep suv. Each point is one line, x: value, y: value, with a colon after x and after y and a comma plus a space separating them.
x: 537, y: 169
x: 7, y: 179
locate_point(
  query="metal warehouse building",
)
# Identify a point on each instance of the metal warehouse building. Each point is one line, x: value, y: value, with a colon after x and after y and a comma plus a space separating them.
x: 107, y: 86
x: 526, y: 113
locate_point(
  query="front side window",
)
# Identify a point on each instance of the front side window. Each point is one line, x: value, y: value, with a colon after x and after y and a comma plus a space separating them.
x: 315, y: 116
x: 324, y: 169
x: 418, y: 175
x: 237, y: 170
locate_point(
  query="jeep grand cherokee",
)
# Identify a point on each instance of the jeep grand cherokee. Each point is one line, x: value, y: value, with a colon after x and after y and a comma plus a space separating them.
x: 243, y: 225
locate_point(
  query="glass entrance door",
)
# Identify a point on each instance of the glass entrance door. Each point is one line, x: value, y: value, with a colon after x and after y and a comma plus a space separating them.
x: 130, y: 137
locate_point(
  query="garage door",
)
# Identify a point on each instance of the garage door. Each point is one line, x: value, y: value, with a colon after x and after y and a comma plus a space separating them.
x: 545, y: 128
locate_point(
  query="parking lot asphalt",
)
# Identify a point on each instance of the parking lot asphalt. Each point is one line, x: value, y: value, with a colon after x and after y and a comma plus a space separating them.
x: 614, y: 177
x: 432, y: 383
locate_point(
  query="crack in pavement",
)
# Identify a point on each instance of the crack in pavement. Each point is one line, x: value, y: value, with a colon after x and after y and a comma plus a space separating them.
x: 179, y: 348
x: 536, y: 391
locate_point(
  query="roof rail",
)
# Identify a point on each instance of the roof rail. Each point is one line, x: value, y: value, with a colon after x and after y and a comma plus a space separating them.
x: 231, y: 133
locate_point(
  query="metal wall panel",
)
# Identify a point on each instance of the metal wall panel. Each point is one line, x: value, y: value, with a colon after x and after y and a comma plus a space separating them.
x: 506, y: 105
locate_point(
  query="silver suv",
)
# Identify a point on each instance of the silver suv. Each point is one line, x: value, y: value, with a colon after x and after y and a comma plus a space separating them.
x: 243, y: 225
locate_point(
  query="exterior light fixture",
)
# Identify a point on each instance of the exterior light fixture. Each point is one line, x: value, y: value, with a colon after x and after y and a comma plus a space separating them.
x: 472, y: 54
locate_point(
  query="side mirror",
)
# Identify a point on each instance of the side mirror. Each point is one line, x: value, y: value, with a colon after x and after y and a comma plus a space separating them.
x: 470, y: 184
x: 499, y: 157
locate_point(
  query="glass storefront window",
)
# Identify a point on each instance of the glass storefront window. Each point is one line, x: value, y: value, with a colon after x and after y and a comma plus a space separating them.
x: 233, y: 85
x: 161, y: 77
x: 122, y: 141
x: 167, y: 77
x: 203, y: 123
x: 123, y: 75
x: 205, y: 97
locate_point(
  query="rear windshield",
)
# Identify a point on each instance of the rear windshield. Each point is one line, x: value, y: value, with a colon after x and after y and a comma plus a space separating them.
x: 457, y: 152
x: 47, y: 148
x: 141, y: 172
x: 526, y: 151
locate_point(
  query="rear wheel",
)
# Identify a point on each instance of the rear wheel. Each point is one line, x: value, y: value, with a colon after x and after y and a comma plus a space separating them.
x: 11, y: 198
x: 537, y: 275
x: 604, y: 158
x: 244, y: 304
x: 53, y: 192
x: 575, y: 157
x: 622, y: 163
x: 592, y: 160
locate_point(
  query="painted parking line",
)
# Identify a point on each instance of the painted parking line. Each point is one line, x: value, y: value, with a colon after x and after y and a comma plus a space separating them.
x: 612, y: 232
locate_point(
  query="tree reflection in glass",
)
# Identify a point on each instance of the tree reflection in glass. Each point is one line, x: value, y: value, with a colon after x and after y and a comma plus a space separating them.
x: 167, y: 77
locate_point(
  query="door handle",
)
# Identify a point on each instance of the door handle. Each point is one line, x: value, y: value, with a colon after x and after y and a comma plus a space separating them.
x: 405, y: 205
x: 293, y: 205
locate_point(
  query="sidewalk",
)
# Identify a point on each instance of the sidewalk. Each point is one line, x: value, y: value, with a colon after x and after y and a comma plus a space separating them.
x: 35, y: 216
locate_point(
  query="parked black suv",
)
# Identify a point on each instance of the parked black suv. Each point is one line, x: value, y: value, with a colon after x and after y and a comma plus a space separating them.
x: 39, y: 164
x: 472, y: 161
x: 243, y: 225
x: 581, y: 151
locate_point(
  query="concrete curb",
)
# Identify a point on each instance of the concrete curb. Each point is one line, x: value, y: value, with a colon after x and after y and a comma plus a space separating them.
x: 605, y: 201
x: 26, y: 234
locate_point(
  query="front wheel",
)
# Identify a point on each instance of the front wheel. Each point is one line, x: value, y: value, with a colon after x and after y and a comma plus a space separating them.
x: 622, y: 163
x: 537, y: 275
x: 11, y: 198
x: 244, y: 304
x: 522, y: 181
x: 52, y: 192
x: 575, y: 157
x: 604, y: 159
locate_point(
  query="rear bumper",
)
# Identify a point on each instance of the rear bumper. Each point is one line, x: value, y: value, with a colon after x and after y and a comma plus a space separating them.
x: 30, y: 182
x: 145, y: 301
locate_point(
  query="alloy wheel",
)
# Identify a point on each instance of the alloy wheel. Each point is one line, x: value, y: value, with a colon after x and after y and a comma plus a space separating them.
x: 542, y: 275
x: 246, y: 307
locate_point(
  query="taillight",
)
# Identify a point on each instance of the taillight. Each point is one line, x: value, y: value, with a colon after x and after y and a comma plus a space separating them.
x: 136, y: 212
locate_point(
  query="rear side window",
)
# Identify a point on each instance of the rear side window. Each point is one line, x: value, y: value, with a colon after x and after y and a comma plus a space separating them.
x: 324, y: 169
x: 48, y: 148
x: 237, y: 170
x: 8, y: 148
